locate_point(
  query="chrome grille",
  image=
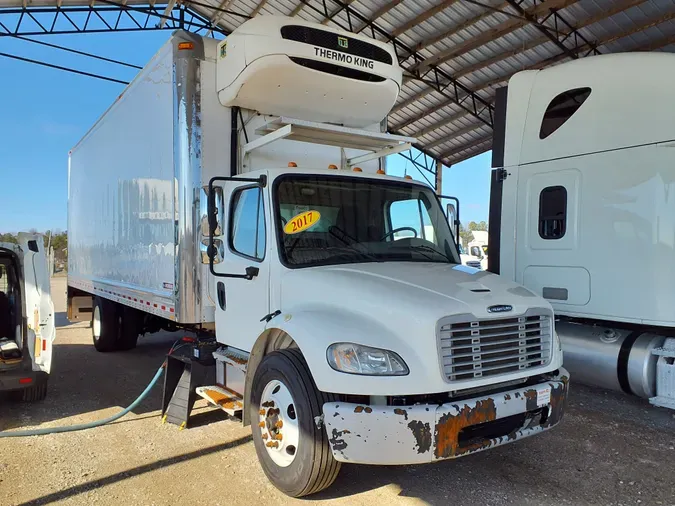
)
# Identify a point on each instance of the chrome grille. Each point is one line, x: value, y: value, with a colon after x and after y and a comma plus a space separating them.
x: 477, y: 348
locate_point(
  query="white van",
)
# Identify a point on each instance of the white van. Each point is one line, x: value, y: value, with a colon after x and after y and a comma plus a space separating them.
x: 27, y: 328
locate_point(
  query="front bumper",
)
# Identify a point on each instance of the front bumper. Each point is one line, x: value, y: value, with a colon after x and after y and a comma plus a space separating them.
x: 430, y: 432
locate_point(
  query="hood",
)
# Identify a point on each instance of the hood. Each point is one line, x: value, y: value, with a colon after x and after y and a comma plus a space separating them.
x: 430, y: 289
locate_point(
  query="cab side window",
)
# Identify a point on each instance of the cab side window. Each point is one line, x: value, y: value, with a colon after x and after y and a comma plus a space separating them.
x: 247, y: 223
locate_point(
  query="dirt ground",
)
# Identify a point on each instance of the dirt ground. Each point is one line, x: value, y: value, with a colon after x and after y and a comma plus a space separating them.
x: 610, y: 449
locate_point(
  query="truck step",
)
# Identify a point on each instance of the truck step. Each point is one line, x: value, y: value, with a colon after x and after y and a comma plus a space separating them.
x: 236, y: 358
x: 228, y: 401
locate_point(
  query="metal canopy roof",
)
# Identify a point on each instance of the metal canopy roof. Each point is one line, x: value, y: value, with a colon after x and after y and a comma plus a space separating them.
x: 455, y: 53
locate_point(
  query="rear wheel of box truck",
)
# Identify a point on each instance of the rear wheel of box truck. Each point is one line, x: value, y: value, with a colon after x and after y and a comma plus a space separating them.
x: 292, y: 447
x: 114, y: 327
x: 105, y: 325
x: 130, y: 327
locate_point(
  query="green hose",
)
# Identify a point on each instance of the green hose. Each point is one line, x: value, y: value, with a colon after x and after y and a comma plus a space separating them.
x: 90, y: 425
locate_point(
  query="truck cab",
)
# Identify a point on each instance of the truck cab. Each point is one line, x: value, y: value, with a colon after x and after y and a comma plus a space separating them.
x: 27, y: 327
x: 345, y: 296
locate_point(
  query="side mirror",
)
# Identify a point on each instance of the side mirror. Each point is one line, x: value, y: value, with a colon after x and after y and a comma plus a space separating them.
x: 211, y: 210
x: 451, y: 211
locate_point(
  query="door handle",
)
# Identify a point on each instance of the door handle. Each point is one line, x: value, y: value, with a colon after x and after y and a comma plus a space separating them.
x: 221, y: 295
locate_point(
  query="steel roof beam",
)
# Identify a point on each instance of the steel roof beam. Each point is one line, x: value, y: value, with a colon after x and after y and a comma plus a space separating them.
x: 297, y: 9
x: 422, y: 17
x: 657, y: 44
x: 455, y: 29
x: 458, y: 93
x: 167, y: 12
x: 411, y: 100
x: 439, y: 124
x: 337, y: 11
x: 582, y: 49
x: 475, y: 150
x: 379, y: 13
x: 494, y: 33
x: 440, y: 106
x: 112, y: 17
x: 552, y: 34
x: 218, y: 13
x: 258, y: 8
x: 465, y: 147
x: 458, y: 133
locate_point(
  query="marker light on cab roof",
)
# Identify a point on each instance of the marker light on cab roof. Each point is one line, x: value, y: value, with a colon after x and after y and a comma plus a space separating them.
x: 332, y: 166
x: 292, y: 164
x: 357, y: 169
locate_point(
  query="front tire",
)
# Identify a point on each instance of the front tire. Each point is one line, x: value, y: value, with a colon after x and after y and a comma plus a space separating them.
x: 293, y: 452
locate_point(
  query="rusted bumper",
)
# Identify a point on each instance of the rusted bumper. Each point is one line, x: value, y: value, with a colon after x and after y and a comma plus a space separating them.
x: 429, y: 432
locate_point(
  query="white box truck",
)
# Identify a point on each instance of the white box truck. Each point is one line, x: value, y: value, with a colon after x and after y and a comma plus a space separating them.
x: 237, y: 189
x: 583, y: 211
x: 27, y: 325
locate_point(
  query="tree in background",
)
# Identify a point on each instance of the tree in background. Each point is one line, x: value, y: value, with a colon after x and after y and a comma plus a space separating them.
x: 59, y: 241
x: 466, y: 235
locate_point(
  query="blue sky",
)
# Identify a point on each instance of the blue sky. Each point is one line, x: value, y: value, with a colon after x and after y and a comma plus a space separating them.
x: 44, y: 112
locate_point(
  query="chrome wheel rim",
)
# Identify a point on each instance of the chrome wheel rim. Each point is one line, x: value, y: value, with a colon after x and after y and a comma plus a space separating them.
x: 278, y: 423
x: 96, y: 324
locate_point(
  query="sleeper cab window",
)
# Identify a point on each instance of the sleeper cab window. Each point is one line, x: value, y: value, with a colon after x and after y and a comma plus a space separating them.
x: 247, y: 225
x: 561, y: 109
x: 553, y: 212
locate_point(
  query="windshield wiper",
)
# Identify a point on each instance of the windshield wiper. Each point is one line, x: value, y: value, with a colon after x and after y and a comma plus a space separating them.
x: 351, y: 248
x: 340, y: 234
x: 424, y: 247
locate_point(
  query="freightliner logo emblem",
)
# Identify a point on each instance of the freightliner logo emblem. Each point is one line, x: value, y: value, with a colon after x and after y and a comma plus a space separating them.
x: 500, y: 308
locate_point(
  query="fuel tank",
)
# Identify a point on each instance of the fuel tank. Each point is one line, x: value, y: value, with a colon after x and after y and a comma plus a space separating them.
x: 612, y: 358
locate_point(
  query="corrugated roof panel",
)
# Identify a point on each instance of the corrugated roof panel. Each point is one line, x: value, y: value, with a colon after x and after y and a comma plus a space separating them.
x: 481, y: 49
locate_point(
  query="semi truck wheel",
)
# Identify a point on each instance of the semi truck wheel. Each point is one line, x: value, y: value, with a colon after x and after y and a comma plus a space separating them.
x: 293, y: 452
x: 105, y: 325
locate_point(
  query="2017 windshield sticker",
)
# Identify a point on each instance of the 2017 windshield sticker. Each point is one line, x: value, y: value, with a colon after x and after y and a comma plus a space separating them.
x: 302, y: 222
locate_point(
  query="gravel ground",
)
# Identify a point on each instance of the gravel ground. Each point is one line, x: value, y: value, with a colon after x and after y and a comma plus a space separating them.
x: 609, y: 450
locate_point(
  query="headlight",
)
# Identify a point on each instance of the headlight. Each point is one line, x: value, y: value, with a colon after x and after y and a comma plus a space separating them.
x: 357, y: 359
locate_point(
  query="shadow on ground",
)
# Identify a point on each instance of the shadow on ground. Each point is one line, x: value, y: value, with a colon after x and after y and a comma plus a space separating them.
x: 83, y: 380
x: 61, y: 320
x: 131, y: 473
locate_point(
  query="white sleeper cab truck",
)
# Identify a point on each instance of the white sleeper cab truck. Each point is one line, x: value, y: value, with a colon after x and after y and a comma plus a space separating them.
x: 26, y: 318
x: 239, y: 189
x: 583, y: 206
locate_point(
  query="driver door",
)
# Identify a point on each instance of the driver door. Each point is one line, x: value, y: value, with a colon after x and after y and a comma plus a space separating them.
x: 242, y: 303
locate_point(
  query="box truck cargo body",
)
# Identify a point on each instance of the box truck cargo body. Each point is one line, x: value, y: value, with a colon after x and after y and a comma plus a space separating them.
x: 239, y: 189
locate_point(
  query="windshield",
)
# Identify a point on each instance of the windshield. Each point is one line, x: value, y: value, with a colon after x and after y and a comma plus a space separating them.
x: 335, y: 220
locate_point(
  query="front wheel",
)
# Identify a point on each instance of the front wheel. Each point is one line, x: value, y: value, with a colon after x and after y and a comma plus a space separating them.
x: 293, y: 451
